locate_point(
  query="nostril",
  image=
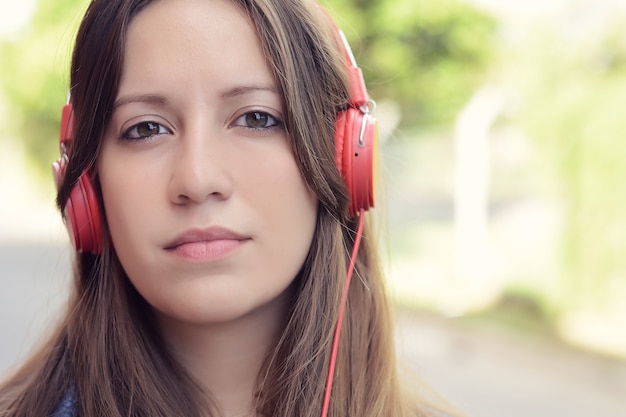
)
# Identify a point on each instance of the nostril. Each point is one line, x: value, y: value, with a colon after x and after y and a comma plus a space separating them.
x: 182, y: 198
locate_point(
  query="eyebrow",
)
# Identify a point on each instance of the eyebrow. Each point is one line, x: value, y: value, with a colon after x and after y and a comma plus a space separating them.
x: 157, y: 99
x: 139, y: 98
x: 247, y: 89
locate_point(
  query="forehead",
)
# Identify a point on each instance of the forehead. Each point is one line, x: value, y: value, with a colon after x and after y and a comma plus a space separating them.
x: 198, y: 42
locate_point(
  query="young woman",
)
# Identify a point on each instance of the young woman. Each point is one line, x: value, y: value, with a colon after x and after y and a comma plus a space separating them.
x: 216, y: 167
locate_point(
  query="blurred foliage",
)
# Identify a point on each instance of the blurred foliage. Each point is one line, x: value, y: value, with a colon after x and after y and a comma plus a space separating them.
x: 426, y: 55
x: 429, y: 56
x: 574, y: 87
x: 34, y: 77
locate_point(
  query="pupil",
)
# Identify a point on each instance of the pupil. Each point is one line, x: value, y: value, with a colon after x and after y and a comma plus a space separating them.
x: 256, y: 119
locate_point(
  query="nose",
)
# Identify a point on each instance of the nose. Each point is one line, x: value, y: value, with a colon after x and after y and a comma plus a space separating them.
x: 201, y: 170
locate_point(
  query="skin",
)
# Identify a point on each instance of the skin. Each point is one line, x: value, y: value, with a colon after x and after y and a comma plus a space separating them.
x: 196, y: 143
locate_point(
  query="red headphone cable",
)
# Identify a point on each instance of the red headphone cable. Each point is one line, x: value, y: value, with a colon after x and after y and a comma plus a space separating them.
x: 342, y: 309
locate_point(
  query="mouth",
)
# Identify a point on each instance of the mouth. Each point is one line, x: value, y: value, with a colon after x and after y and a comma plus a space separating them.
x: 205, y: 245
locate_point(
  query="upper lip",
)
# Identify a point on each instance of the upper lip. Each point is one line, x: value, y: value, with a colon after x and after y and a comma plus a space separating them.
x: 204, y: 235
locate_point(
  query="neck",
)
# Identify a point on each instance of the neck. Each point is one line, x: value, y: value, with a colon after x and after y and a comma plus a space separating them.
x: 225, y: 358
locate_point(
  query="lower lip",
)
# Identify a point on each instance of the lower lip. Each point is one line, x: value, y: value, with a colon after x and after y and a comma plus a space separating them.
x: 206, y: 251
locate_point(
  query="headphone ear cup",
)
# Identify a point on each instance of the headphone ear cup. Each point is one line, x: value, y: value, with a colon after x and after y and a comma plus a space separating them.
x: 82, y: 215
x: 356, y: 142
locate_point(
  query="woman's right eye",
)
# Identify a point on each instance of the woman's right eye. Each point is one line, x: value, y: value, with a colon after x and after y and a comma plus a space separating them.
x: 145, y: 130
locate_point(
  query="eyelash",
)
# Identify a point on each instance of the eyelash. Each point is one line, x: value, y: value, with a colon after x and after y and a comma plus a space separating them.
x: 271, y: 122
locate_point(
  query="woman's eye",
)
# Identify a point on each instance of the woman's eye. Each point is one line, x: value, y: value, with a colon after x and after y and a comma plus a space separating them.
x: 145, y: 130
x: 257, y: 120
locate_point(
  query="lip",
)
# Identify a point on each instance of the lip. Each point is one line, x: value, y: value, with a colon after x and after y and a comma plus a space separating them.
x: 204, y: 245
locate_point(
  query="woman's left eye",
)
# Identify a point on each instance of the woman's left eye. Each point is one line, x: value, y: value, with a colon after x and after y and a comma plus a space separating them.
x: 257, y: 120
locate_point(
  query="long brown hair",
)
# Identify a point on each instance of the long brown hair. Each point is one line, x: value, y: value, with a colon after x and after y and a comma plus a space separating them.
x: 106, y: 349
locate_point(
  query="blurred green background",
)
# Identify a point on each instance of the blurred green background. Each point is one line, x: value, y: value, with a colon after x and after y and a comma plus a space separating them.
x: 502, y: 125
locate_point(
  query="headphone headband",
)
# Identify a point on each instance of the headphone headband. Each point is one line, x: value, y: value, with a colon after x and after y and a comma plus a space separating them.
x: 358, y: 91
x: 67, y: 127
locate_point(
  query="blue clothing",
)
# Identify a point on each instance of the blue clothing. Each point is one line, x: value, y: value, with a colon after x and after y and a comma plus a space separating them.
x: 67, y: 406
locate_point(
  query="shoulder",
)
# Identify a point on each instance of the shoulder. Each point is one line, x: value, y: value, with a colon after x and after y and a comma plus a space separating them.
x: 67, y: 405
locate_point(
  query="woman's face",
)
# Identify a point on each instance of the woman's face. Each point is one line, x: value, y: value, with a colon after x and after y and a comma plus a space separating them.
x: 205, y: 204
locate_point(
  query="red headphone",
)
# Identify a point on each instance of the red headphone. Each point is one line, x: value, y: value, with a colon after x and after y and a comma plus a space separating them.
x: 82, y: 213
x: 356, y: 139
x: 356, y: 142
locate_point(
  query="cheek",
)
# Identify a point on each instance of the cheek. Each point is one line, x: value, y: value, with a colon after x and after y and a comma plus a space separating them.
x: 130, y: 219
x: 291, y: 209
x: 276, y: 189
x: 117, y: 196
x: 128, y: 201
